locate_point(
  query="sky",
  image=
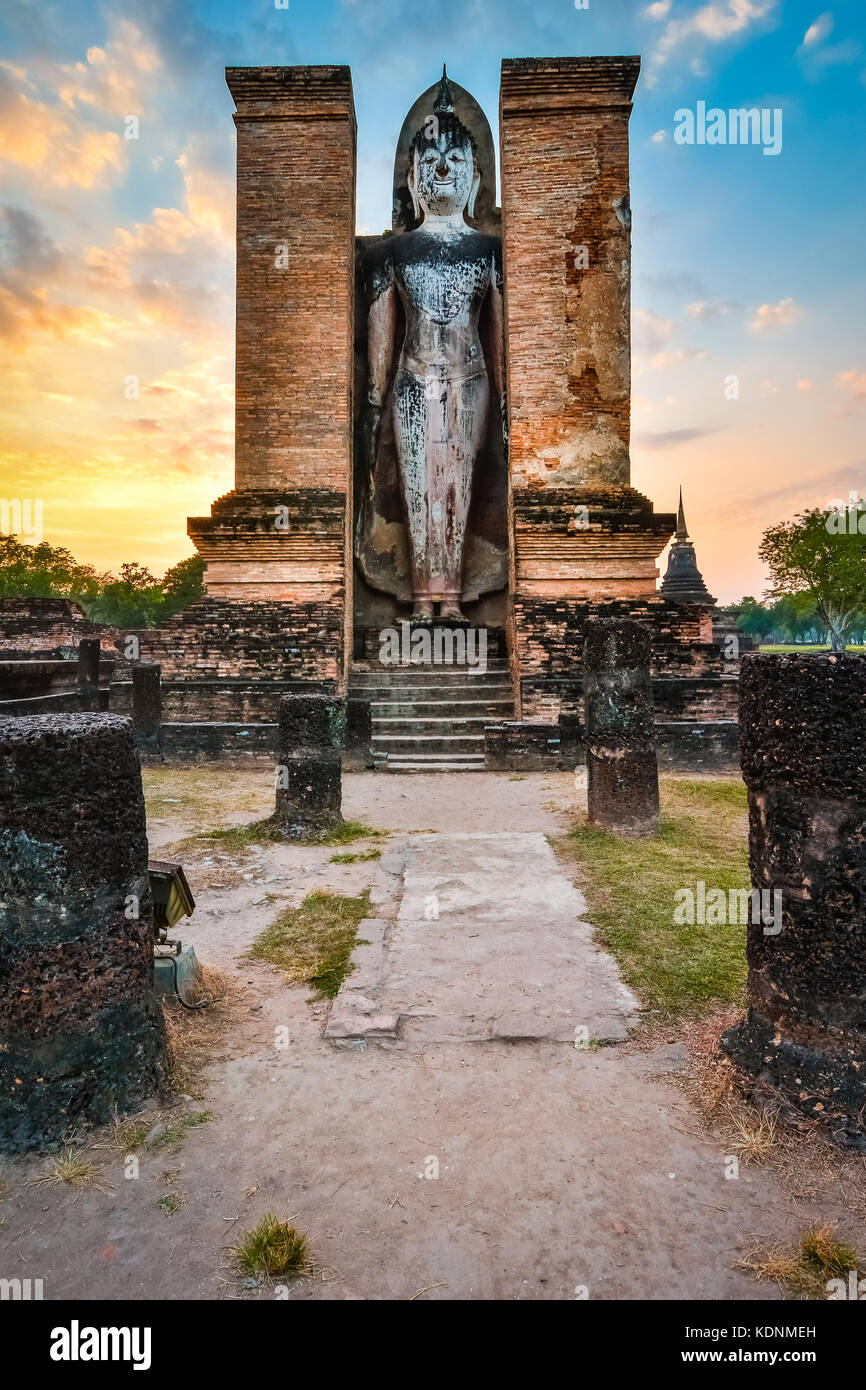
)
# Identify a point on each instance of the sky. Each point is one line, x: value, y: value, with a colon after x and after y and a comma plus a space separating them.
x: 117, y: 254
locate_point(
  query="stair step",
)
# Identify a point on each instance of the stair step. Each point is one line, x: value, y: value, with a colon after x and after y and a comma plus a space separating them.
x: 431, y: 758
x: 405, y: 709
x: 447, y: 726
x: 427, y: 738
x: 431, y: 766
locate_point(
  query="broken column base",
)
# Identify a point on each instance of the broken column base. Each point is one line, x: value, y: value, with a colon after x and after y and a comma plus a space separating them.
x: 311, y: 799
x: 50, y: 1086
x: 822, y: 1076
x: 623, y: 793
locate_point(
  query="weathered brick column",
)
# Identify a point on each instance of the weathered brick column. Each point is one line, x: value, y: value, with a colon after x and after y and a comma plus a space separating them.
x: 309, y: 768
x: 147, y: 704
x: 580, y: 531
x: 623, y: 783
x: 81, y: 1031
x: 803, y: 757
x: 284, y: 534
x: 567, y: 255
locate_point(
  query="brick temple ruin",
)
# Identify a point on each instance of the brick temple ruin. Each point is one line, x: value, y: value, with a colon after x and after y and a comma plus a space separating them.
x: 307, y: 560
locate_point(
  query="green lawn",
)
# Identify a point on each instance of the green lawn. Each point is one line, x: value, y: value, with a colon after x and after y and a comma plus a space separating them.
x: 815, y: 647
x: 674, y: 969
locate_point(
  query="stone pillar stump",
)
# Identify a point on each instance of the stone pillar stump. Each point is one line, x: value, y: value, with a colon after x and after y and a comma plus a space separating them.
x: 309, y: 773
x: 803, y: 758
x: 89, y: 653
x: 147, y: 704
x: 623, y: 783
x: 82, y: 1035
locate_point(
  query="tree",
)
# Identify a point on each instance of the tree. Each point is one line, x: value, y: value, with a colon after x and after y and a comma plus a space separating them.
x: 182, y: 585
x: 44, y: 571
x: 134, y: 598
x: 753, y: 618
x: 807, y: 554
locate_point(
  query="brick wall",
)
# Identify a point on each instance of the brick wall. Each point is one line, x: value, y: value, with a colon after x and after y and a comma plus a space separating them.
x: 47, y: 626
x: 298, y: 640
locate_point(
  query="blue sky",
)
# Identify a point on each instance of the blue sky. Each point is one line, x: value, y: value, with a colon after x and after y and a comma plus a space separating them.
x: 116, y: 256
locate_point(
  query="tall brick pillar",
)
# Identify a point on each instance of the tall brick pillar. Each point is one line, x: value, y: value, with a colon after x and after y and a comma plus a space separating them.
x: 581, y: 534
x: 283, y: 534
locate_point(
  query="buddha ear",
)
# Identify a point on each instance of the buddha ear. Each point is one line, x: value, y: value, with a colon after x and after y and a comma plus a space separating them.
x: 476, y: 184
x: 413, y: 192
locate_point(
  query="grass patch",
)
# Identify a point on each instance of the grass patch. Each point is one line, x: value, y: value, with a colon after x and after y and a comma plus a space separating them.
x: 344, y: 833
x: 359, y: 857
x: 237, y: 838
x: 803, y: 1273
x: 272, y: 1250
x: 676, y: 970
x: 313, y: 943
x: 171, y: 1202
x: 174, y: 1133
x: 72, y: 1168
x: 804, y: 647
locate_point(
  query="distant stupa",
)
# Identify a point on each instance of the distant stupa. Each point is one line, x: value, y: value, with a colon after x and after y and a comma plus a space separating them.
x: 683, y: 581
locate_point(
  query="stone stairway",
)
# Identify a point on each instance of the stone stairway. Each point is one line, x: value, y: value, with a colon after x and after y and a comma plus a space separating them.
x: 431, y: 718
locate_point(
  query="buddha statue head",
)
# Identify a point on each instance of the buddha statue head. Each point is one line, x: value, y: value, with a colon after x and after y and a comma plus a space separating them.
x: 443, y: 175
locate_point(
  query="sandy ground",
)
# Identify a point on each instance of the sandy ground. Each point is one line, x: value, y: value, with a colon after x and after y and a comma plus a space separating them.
x: 559, y: 1171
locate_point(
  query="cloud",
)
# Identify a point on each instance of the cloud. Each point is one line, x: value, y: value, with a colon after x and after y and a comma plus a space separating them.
x: 52, y: 143
x: 667, y: 439
x: 797, y: 494
x: 659, y: 9
x: 650, y: 331
x: 113, y: 80
x: 854, y: 383
x: 817, y: 56
x: 771, y: 316
x: 805, y: 386
x: 174, y: 272
x: 818, y: 31
x: 26, y: 250
x: 710, y: 23
x: 659, y: 136
x: 707, y: 310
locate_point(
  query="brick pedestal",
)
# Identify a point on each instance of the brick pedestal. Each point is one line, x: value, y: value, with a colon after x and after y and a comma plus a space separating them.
x: 309, y: 772
x: 803, y: 756
x: 82, y: 1035
x: 623, y: 786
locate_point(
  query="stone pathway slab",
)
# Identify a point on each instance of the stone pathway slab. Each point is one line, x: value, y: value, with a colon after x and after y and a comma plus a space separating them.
x: 489, y: 942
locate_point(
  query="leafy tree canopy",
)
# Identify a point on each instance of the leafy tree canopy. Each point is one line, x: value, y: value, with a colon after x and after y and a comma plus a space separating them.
x: 814, y: 555
x: 133, y: 598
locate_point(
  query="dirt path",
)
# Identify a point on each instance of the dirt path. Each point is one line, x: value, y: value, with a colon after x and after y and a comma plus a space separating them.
x: 464, y: 1168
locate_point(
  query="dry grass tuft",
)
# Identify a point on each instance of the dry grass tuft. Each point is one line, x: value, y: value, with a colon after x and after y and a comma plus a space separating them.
x: 193, y: 1036
x: 757, y: 1136
x: 762, y: 1128
x: 74, y: 1169
x: 805, y: 1271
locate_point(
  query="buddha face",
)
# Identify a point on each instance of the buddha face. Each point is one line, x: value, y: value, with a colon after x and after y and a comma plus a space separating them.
x: 443, y: 178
